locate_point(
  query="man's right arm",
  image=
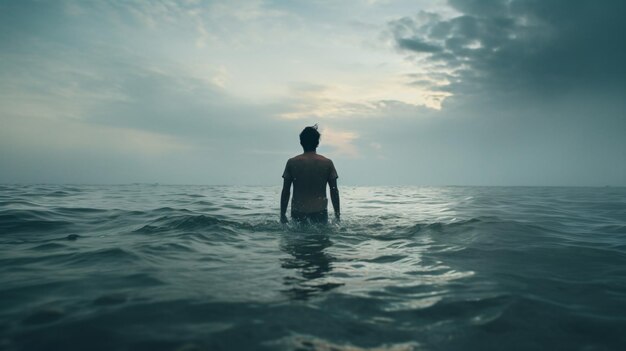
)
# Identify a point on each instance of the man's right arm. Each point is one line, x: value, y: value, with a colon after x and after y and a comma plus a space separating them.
x: 284, y: 200
x: 334, y: 196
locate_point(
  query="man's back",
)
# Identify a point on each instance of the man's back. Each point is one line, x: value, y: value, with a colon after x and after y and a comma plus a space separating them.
x: 309, y: 173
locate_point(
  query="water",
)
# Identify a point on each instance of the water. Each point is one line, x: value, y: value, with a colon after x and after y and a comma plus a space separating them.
x: 149, y: 267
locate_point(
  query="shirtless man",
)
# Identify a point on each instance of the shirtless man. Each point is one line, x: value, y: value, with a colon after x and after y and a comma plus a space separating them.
x: 309, y: 173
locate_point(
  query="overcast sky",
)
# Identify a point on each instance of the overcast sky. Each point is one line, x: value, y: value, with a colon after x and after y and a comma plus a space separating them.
x: 458, y: 92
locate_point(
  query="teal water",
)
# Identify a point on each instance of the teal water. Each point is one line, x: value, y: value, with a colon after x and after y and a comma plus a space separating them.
x: 152, y: 267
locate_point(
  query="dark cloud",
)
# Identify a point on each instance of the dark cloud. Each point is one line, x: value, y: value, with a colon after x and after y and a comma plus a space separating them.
x: 520, y: 46
x: 417, y: 45
x: 537, y: 91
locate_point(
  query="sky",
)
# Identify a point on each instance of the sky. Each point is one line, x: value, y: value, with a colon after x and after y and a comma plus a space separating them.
x: 422, y: 92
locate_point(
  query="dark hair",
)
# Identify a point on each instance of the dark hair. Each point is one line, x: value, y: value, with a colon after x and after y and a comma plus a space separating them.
x: 310, y: 138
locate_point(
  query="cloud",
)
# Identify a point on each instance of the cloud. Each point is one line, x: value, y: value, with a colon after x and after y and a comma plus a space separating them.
x: 345, y: 101
x: 520, y: 47
x: 75, y: 110
x: 417, y: 45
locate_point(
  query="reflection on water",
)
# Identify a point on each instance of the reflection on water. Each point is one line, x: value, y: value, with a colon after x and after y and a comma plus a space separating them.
x: 310, y: 262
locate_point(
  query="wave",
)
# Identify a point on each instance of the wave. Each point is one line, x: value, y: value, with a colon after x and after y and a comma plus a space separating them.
x: 26, y: 221
x: 203, y: 224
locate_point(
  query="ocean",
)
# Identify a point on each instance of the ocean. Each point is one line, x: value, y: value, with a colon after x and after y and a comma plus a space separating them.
x: 185, y: 268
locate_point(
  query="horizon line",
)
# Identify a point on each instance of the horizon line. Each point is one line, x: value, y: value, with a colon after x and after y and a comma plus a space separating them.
x: 348, y: 185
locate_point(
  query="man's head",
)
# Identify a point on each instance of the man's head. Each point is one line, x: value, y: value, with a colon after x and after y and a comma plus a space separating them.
x: 310, y: 138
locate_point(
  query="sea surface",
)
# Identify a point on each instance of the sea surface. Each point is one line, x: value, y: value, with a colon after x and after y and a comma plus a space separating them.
x: 185, y: 268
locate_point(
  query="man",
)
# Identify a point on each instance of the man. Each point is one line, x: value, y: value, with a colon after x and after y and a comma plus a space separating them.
x: 309, y: 173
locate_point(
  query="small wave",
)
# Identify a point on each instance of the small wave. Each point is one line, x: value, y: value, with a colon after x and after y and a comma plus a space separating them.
x: 406, y: 232
x: 49, y: 247
x: 171, y: 210
x: 303, y: 342
x: 183, y: 223
x: 110, y: 299
x: 109, y: 256
x: 44, y: 316
x: 21, y: 221
x: 386, y: 259
x: 612, y: 229
x: 203, y: 203
x: 59, y: 193
x: 15, y: 203
x: 70, y: 211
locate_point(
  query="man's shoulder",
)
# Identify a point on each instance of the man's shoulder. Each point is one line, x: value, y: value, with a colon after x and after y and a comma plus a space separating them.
x: 303, y: 158
x: 324, y: 158
x: 292, y: 159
